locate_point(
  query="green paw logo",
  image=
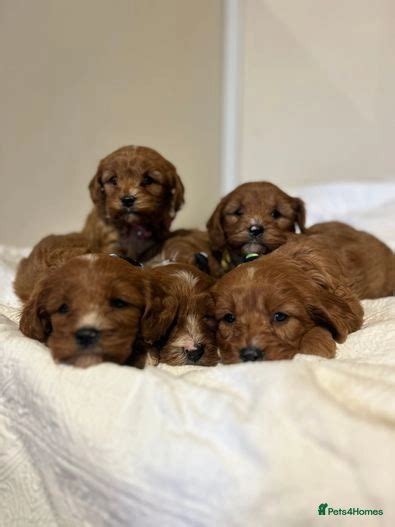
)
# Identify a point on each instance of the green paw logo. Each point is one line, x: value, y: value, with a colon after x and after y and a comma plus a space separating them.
x: 322, y: 508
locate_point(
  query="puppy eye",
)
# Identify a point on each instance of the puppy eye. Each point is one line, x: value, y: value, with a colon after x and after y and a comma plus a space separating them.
x: 113, y: 181
x: 147, y: 180
x: 279, y: 317
x: 63, y: 309
x: 275, y: 214
x: 238, y: 212
x: 229, y: 318
x: 118, y: 303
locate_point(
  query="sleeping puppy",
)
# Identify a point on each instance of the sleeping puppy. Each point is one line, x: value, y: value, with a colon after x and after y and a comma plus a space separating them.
x: 90, y: 310
x: 136, y: 193
x: 255, y: 218
x: 302, y: 298
x: 180, y: 328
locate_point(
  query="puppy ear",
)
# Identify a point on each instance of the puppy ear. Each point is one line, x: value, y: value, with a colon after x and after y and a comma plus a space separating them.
x: 35, y: 321
x: 339, y: 311
x: 96, y: 189
x: 177, y: 192
x: 300, y: 213
x: 159, y: 315
x: 332, y: 304
x: 215, y: 229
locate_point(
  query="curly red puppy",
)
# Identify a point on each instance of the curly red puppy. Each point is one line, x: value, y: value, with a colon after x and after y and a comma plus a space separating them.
x: 302, y: 298
x: 137, y: 193
x: 254, y: 218
x: 90, y: 310
x: 181, y: 327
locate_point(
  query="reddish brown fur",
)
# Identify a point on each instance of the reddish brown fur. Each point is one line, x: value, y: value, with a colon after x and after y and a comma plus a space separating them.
x: 368, y: 263
x: 182, y: 320
x: 91, y: 287
x: 137, y: 231
x: 49, y: 254
x: 307, y: 279
x: 183, y: 246
x: 253, y: 204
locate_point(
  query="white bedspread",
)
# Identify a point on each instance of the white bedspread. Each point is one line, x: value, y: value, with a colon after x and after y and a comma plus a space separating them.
x: 245, y: 445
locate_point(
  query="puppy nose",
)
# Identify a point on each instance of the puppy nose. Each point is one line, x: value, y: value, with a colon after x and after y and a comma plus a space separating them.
x: 128, y: 201
x: 195, y: 354
x: 251, y: 354
x: 256, y: 230
x: 86, y: 336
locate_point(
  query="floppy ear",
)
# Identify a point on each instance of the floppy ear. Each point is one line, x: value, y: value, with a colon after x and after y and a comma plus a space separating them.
x: 333, y: 304
x: 35, y: 321
x: 300, y: 213
x: 339, y: 311
x: 96, y: 189
x: 159, y: 315
x: 214, y: 227
x: 177, y: 191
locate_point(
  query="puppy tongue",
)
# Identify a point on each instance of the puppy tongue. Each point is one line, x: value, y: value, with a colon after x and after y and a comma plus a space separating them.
x: 253, y: 248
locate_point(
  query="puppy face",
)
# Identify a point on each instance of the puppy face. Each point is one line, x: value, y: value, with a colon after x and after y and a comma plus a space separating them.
x: 276, y: 307
x: 135, y: 185
x: 254, y: 218
x: 186, y: 312
x: 87, y: 311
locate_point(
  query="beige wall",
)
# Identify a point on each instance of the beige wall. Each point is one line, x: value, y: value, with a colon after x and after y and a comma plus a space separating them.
x: 318, y: 89
x: 80, y: 78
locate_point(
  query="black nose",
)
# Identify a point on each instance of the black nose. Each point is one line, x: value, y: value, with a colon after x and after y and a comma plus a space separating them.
x: 86, y: 336
x: 195, y: 354
x: 256, y: 230
x: 251, y: 354
x: 128, y: 201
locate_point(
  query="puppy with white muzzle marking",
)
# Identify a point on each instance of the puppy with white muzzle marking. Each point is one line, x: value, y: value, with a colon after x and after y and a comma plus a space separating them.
x: 90, y: 310
x: 180, y: 326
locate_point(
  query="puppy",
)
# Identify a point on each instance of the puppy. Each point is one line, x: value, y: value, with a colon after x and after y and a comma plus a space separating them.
x: 255, y: 218
x: 136, y: 193
x: 302, y: 298
x: 90, y: 310
x: 181, y: 327
x: 187, y: 246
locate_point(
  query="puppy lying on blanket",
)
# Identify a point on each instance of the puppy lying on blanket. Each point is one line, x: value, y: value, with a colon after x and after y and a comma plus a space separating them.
x: 180, y: 327
x: 137, y: 194
x: 254, y: 218
x: 303, y: 297
x: 90, y: 310
x: 82, y: 306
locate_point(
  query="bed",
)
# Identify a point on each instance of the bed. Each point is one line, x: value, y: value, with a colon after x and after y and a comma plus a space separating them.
x: 243, y: 445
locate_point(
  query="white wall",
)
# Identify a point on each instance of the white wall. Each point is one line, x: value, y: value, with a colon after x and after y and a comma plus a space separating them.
x: 80, y: 78
x: 318, y: 89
